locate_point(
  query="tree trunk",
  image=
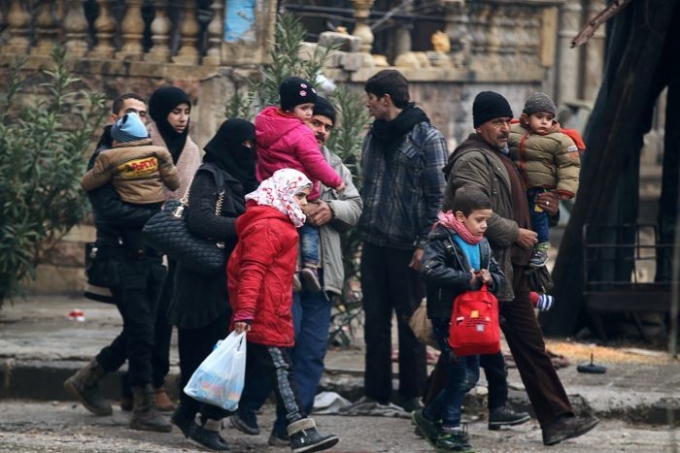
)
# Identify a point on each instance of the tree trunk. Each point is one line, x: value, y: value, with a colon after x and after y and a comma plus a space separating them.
x: 613, y: 137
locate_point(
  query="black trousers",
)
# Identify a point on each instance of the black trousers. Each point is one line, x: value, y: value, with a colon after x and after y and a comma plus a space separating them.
x: 275, y: 362
x: 497, y: 378
x: 388, y: 286
x: 194, y: 346
x: 525, y: 339
x: 136, y: 284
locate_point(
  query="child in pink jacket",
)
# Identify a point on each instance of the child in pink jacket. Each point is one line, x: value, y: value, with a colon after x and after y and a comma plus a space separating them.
x: 285, y: 141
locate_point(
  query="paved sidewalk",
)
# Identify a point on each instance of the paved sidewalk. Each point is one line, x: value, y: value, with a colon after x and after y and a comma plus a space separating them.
x: 40, y: 347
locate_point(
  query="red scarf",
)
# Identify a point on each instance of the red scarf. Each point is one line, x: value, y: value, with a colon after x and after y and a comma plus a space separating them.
x: 448, y: 220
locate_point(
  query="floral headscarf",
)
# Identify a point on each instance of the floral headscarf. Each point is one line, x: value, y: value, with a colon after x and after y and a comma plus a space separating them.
x: 278, y: 191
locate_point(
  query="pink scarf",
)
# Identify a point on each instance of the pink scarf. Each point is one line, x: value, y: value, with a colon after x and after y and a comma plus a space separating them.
x: 448, y: 220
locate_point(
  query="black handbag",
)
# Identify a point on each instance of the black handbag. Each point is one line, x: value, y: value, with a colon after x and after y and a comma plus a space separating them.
x: 167, y: 231
x: 97, y: 273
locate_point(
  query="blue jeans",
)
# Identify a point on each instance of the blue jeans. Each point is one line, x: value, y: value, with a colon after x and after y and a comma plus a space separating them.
x: 309, y: 244
x: 311, y: 318
x: 462, y: 375
x: 539, y: 220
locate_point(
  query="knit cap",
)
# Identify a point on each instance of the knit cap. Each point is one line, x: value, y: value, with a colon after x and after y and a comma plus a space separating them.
x: 489, y: 105
x: 129, y: 128
x: 324, y: 108
x: 539, y: 102
x: 295, y: 91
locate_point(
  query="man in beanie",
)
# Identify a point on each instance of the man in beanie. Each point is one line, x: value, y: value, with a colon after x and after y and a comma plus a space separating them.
x: 284, y: 140
x: 402, y: 157
x: 332, y: 213
x: 482, y: 162
x: 548, y: 160
x: 135, y: 273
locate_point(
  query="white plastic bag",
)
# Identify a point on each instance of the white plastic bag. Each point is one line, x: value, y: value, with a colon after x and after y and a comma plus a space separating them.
x: 220, y: 378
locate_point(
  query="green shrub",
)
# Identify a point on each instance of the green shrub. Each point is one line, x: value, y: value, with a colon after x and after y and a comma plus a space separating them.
x: 42, y: 146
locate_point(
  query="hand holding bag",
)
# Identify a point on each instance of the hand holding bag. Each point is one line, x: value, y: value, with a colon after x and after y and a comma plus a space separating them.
x: 167, y: 231
x: 475, y: 328
x: 219, y: 379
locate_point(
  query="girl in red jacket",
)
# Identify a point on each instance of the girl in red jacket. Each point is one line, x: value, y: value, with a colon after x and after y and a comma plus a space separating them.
x: 284, y: 140
x: 260, y: 282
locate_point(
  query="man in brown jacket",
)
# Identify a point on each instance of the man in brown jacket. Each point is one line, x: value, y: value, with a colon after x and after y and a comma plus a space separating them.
x: 482, y: 162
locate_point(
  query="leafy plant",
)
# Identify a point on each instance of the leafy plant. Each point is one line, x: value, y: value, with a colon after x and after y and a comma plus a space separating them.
x: 42, y: 147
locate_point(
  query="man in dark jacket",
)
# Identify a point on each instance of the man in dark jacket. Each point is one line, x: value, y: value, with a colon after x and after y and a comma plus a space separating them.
x: 135, y: 275
x: 482, y: 162
x: 402, y: 157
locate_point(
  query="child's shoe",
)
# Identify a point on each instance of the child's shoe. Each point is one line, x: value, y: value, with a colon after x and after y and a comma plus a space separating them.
x: 297, y: 286
x: 304, y: 438
x: 310, y: 277
x: 453, y: 439
x: 427, y: 427
x: 540, y: 255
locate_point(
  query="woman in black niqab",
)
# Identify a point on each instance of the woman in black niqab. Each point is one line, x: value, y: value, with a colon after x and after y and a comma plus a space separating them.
x: 232, y: 149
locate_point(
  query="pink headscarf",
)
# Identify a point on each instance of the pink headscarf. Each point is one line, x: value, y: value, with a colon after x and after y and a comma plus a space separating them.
x: 278, y: 191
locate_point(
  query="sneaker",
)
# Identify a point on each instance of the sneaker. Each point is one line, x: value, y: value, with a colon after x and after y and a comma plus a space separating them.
x: 278, y: 439
x: 246, y: 422
x: 208, y: 436
x: 310, y: 278
x: 567, y: 428
x: 540, y: 255
x: 504, y: 416
x: 427, y: 427
x: 454, y: 439
x: 413, y: 404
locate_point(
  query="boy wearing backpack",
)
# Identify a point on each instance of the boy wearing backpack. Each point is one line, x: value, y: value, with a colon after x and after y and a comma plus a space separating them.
x: 457, y: 258
x: 548, y: 160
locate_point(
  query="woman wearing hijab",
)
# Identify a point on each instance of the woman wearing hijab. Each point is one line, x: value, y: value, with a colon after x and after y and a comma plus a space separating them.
x: 200, y: 306
x: 170, y: 108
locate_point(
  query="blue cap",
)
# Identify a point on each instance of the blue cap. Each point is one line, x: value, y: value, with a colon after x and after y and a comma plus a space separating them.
x: 129, y: 128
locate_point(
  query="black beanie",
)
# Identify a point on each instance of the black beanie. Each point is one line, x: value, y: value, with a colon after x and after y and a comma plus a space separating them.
x: 324, y: 108
x: 489, y: 105
x: 295, y: 91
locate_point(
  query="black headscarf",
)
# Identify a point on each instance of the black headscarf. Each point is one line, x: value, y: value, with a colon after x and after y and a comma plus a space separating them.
x: 389, y: 135
x: 227, y: 152
x: 162, y: 102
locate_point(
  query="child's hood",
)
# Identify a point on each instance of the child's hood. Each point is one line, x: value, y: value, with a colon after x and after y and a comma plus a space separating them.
x: 271, y: 125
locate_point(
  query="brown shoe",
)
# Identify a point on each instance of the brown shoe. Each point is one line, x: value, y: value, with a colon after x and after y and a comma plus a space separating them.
x: 162, y: 400
x: 568, y: 428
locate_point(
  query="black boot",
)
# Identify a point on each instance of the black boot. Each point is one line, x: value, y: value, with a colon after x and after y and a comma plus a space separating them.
x: 183, y: 420
x: 145, y: 416
x: 207, y: 436
x: 85, y: 385
x: 304, y: 438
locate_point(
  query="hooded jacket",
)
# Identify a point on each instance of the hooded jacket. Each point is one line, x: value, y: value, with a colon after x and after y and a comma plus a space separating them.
x: 550, y: 161
x: 260, y: 275
x: 283, y: 141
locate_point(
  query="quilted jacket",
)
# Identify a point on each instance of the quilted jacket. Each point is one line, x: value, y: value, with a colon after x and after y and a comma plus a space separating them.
x: 283, y: 141
x: 260, y: 275
x: 550, y: 161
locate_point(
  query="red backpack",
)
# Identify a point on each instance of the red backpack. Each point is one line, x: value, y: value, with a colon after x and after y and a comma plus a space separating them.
x: 475, y: 328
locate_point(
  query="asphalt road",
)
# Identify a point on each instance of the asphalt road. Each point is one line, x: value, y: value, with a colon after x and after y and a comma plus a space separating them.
x: 38, y: 427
